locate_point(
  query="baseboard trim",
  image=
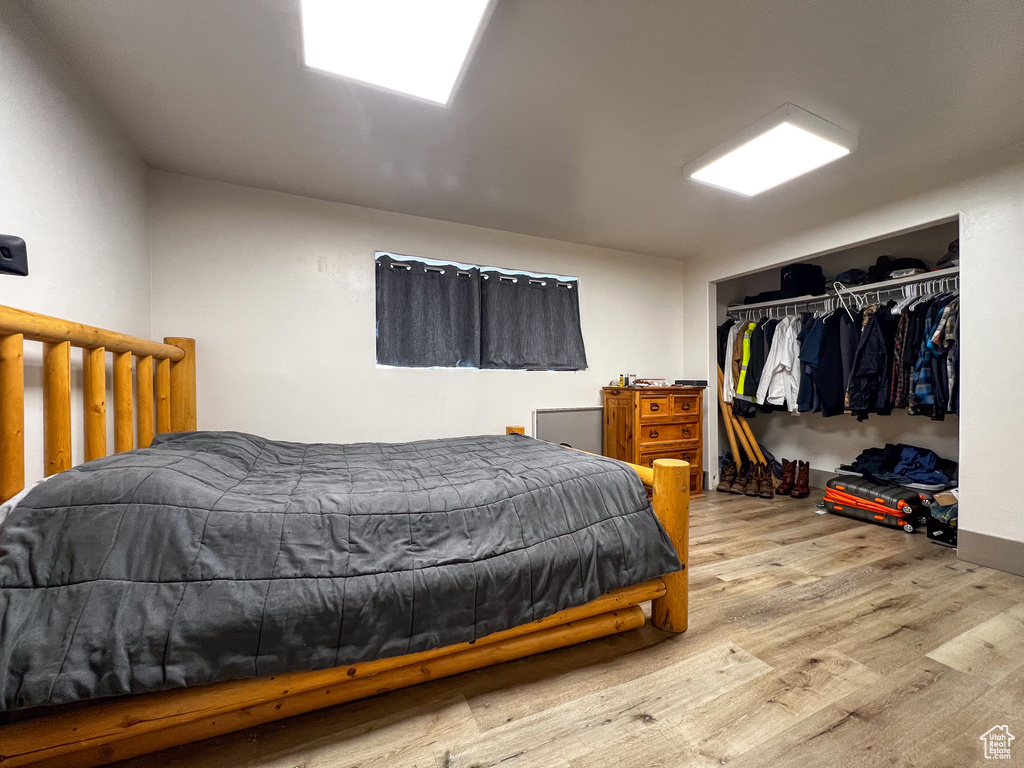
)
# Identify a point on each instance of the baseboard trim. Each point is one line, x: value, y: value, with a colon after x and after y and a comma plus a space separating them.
x: 819, y: 477
x: 991, y: 551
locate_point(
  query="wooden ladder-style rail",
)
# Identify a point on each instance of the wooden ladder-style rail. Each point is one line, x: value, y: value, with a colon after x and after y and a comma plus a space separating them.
x: 164, y: 388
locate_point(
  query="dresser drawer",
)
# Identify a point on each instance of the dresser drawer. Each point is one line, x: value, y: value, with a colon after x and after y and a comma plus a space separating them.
x: 652, y: 434
x: 655, y: 407
x: 670, y: 407
x: 688, y: 454
x: 686, y: 404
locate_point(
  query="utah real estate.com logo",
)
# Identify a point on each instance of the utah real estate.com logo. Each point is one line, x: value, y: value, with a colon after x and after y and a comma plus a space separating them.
x: 997, y: 742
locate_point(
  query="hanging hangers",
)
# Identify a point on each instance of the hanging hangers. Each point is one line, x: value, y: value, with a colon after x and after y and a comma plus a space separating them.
x: 911, y: 295
x: 841, y: 289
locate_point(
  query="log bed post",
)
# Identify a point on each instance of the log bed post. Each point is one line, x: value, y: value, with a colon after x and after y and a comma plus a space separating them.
x: 94, y: 402
x: 183, y: 386
x: 144, y: 423
x: 56, y: 407
x: 163, y: 396
x: 124, y: 427
x: 12, y: 415
x: 672, y: 506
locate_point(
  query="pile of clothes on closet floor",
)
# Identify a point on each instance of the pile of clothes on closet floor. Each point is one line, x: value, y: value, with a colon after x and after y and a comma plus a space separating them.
x: 908, y: 465
x: 856, y: 360
x: 922, y: 477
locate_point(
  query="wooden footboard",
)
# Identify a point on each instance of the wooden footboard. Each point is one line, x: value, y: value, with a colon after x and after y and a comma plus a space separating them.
x: 116, y: 729
x: 106, y: 732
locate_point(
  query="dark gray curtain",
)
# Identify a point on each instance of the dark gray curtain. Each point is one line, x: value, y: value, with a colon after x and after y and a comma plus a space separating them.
x: 529, y: 322
x: 427, y: 315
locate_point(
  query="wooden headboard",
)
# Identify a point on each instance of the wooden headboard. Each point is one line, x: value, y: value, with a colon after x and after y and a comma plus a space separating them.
x: 164, y: 397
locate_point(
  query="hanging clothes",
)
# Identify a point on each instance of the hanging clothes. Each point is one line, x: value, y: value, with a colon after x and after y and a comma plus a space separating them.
x: 728, y: 381
x: 738, y: 355
x: 849, y: 336
x: 723, y: 340
x: 870, y: 365
x: 755, y: 364
x: 855, y: 361
x: 744, y: 362
x: 889, y: 324
x: 770, y: 327
x: 931, y: 384
x: 828, y: 377
x: 951, y: 341
x: 780, y: 380
x: 810, y: 346
x: 900, y: 375
x: 927, y: 393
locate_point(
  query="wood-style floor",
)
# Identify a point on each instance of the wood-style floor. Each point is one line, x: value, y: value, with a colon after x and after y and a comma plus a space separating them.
x: 814, y: 641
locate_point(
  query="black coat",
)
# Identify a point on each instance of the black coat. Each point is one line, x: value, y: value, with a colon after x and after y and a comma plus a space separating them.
x: 828, y: 378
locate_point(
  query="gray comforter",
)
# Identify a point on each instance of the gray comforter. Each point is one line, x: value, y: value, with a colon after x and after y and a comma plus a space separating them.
x: 218, y: 555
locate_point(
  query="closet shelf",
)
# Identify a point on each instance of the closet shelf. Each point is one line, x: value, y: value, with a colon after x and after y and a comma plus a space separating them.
x: 936, y: 274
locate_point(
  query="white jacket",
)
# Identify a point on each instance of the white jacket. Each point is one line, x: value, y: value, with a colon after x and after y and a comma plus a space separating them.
x: 780, y: 378
x: 728, y: 385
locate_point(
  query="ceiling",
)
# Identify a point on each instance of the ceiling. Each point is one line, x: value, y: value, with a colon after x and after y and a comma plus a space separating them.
x: 574, y: 118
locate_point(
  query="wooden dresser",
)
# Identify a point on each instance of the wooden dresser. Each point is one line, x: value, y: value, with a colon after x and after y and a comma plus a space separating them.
x: 642, y: 424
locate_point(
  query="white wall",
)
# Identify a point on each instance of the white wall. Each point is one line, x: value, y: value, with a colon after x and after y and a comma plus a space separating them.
x: 827, y: 443
x: 991, y: 206
x: 75, y: 191
x: 278, y: 292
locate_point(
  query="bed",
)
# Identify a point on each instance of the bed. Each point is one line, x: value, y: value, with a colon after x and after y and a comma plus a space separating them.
x: 202, y: 582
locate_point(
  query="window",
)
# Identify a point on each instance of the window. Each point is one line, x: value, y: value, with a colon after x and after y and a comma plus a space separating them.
x: 445, y: 314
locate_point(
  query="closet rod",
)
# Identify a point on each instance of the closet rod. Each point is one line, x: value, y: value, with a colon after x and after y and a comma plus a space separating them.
x: 938, y: 274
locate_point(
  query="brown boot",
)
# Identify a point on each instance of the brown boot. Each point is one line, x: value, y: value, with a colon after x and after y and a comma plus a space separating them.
x: 767, y: 482
x: 802, y: 486
x: 788, y: 478
x: 728, y: 476
x: 754, y: 481
x: 740, y: 484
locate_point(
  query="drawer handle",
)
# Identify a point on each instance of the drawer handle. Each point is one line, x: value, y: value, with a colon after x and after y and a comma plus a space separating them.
x: 686, y: 406
x: 687, y: 432
x: 655, y: 407
x: 654, y: 434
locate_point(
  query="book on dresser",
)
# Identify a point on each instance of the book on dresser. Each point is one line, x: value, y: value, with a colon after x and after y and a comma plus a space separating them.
x: 642, y: 424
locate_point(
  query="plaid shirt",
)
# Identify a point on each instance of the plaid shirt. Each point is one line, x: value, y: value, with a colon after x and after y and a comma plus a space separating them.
x: 900, y: 386
x: 923, y: 392
x: 932, y: 348
x: 951, y: 341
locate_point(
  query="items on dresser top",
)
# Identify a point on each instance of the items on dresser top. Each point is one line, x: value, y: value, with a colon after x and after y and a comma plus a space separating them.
x: 642, y: 424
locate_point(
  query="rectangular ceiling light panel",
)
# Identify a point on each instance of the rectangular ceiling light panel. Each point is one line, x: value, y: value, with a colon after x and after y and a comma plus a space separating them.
x: 786, y: 144
x: 413, y: 47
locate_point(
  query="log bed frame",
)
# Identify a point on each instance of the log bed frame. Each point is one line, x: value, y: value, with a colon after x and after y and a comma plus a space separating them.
x: 108, y: 730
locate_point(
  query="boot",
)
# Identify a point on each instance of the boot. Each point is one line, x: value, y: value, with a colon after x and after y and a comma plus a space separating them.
x: 802, y: 486
x: 788, y: 478
x: 754, y: 481
x: 728, y: 476
x: 740, y: 484
x: 767, y: 482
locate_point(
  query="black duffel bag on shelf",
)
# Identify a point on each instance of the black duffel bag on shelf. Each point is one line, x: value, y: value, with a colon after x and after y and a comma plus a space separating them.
x: 802, y: 280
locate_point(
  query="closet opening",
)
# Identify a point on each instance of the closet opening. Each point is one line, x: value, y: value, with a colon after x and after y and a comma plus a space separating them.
x: 879, y: 381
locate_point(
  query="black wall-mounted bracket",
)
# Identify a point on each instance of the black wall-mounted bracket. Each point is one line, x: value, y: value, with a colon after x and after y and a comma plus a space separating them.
x: 13, y: 255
